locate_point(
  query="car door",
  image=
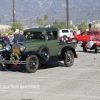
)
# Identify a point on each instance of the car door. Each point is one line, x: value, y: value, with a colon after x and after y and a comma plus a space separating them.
x: 52, y: 44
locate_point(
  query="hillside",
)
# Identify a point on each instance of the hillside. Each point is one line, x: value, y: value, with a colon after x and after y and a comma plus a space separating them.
x: 27, y: 11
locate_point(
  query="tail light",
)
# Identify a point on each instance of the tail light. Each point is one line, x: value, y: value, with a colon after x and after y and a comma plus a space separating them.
x: 60, y: 38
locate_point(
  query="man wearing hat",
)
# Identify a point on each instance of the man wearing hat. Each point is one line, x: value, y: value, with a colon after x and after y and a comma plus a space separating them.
x: 19, y: 37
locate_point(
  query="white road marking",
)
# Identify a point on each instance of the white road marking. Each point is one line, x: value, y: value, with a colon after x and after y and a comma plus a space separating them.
x: 52, y: 78
x: 55, y: 94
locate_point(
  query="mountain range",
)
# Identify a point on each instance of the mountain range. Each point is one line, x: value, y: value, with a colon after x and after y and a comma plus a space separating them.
x: 27, y: 11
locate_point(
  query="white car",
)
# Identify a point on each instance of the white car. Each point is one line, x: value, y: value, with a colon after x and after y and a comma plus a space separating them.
x: 64, y: 34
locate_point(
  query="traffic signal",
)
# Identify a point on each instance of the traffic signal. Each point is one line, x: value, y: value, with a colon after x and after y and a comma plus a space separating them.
x: 89, y: 26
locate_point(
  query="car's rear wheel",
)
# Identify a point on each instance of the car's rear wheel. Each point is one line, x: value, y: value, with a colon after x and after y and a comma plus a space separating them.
x: 32, y: 63
x: 69, y: 60
x: 96, y: 49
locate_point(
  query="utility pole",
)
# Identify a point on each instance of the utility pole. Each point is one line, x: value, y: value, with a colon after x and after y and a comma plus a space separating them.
x: 67, y: 13
x: 13, y: 9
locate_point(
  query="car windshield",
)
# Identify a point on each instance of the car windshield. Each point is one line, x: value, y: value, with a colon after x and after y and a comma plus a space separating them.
x: 96, y: 33
x: 33, y: 35
x: 65, y: 31
x: 71, y: 31
x: 89, y: 33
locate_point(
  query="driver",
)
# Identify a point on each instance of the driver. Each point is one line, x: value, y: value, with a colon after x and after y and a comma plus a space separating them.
x: 19, y: 38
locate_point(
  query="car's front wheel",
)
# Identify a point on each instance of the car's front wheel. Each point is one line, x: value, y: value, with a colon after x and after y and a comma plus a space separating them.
x: 6, y: 67
x: 32, y: 63
x: 69, y: 60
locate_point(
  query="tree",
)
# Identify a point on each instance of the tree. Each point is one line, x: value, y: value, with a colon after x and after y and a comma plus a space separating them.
x: 42, y: 22
x: 16, y: 25
x: 82, y: 27
x: 71, y: 27
x: 59, y: 25
x: 45, y: 18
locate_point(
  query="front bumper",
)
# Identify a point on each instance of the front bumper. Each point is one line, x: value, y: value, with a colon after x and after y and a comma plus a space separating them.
x: 12, y: 62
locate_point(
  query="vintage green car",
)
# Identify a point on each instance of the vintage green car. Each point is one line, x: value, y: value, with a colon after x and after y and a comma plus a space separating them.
x: 40, y: 46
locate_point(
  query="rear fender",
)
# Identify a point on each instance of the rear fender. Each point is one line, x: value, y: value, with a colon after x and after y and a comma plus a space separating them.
x: 67, y: 48
x: 41, y: 60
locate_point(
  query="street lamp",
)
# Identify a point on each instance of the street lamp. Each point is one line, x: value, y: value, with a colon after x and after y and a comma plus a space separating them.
x: 67, y: 13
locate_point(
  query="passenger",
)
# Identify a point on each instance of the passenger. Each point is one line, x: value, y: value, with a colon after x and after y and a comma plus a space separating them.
x: 11, y: 40
x: 6, y: 39
x: 50, y: 36
x: 17, y: 31
x: 31, y: 36
x: 19, y: 38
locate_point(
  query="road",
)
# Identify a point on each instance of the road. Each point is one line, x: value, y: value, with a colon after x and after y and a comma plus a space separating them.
x: 56, y: 82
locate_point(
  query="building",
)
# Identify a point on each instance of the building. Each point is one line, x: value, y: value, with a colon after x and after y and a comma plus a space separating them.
x: 4, y: 28
x: 95, y: 25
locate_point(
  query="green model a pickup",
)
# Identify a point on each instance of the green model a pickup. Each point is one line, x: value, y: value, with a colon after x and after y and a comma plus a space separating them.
x: 40, y: 46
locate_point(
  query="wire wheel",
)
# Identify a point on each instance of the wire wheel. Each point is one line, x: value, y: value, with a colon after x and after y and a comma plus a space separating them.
x: 32, y: 63
x: 69, y: 60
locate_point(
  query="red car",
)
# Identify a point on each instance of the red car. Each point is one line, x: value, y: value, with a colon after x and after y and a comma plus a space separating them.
x: 85, y: 36
x: 92, y: 44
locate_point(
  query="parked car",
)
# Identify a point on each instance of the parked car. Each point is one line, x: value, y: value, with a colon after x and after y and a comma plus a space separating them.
x: 64, y: 34
x: 85, y: 36
x: 92, y: 44
x: 41, y: 45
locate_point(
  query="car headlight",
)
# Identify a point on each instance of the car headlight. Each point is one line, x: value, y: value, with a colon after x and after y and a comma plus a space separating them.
x: 22, y: 48
x: 8, y: 47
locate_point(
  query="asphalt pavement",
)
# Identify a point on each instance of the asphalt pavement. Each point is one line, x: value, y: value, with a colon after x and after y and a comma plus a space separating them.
x: 54, y: 81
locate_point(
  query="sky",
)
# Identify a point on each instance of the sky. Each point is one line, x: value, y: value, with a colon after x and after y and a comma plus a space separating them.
x: 27, y: 11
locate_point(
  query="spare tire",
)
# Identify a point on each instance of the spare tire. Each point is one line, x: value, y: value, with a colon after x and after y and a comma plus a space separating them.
x: 65, y: 38
x: 44, y: 52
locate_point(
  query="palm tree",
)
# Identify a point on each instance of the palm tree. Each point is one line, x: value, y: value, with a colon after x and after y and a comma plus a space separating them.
x: 42, y: 22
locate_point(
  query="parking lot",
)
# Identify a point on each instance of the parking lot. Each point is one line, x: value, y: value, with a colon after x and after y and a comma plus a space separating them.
x: 56, y: 82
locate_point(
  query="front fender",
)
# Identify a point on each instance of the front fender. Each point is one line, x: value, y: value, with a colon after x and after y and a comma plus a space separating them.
x: 41, y: 60
x: 4, y: 54
x: 90, y: 44
x: 3, y: 51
